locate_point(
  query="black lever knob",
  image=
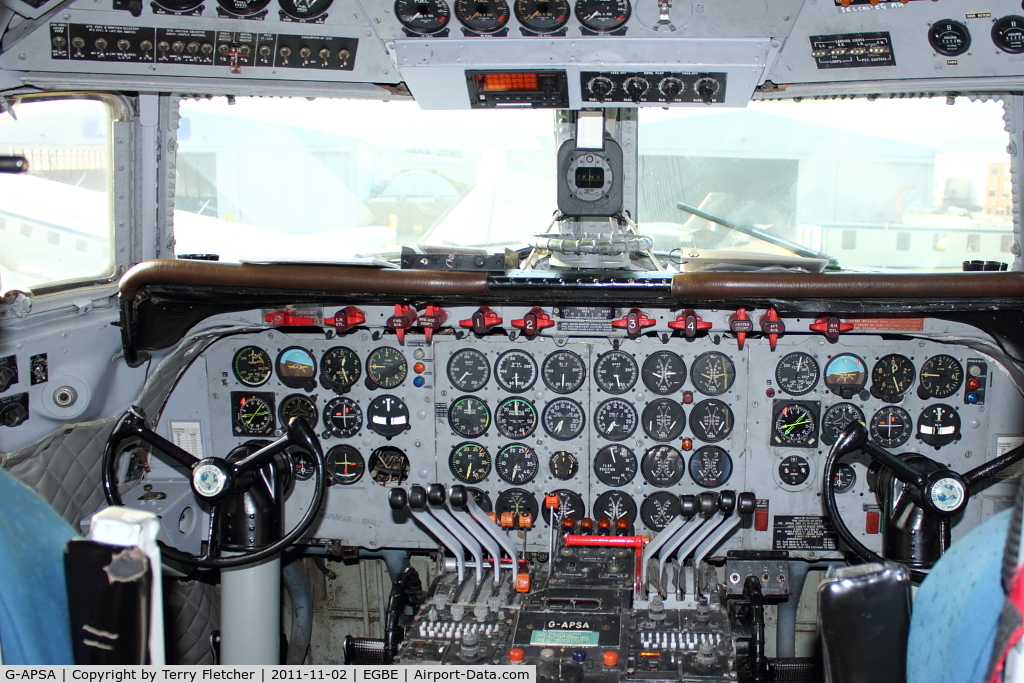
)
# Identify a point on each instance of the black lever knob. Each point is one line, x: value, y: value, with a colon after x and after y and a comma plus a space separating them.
x: 458, y: 496
x: 746, y: 503
x: 417, y: 497
x: 707, y: 504
x: 727, y: 502
x: 688, y: 505
x: 397, y: 499
x: 435, y: 494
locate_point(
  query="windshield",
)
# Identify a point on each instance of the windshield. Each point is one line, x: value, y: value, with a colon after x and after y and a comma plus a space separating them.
x: 910, y: 184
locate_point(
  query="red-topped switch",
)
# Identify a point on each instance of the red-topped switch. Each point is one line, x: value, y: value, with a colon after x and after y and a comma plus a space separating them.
x: 402, y: 320
x: 431, y: 319
x: 534, y: 321
x: 761, y: 519
x: 772, y: 327
x: 634, y: 322
x: 347, y: 318
x: 690, y: 323
x: 872, y: 522
x: 741, y: 325
x: 831, y: 327
x: 482, y: 321
x: 286, y: 318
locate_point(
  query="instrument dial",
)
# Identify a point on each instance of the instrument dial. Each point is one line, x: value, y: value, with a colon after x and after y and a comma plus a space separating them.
x: 304, y: 10
x: 711, y: 420
x: 342, y: 417
x: 252, y: 366
x: 941, y: 377
x: 564, y: 372
x: 664, y: 419
x: 844, y: 478
x: 615, y: 465
x: 1008, y: 34
x: 302, y: 465
x: 298, y: 405
x: 710, y: 467
x: 517, y: 464
x: 795, y: 424
x: 892, y: 377
x: 563, y: 419
x: 469, y: 462
x: 659, y: 509
x: 481, y: 498
x: 515, y: 418
x: 938, y: 425
x: 388, y: 466
x: 243, y: 8
x: 891, y: 427
x: 340, y: 368
x: 386, y: 367
x: 616, y: 372
x: 662, y: 466
x: 615, y: 505
x: 345, y: 464
x: 836, y: 418
x: 570, y: 504
x: 515, y: 371
x: 252, y: 414
x: 542, y: 16
x: 797, y: 373
x: 615, y: 419
x: 387, y: 415
x: 794, y: 470
x: 949, y: 37
x: 468, y: 370
x: 296, y: 368
x: 563, y: 465
x: 423, y: 16
x: 603, y: 16
x: 846, y: 375
x: 712, y: 373
x: 469, y: 416
x: 664, y: 372
x: 518, y: 502
x: 482, y: 16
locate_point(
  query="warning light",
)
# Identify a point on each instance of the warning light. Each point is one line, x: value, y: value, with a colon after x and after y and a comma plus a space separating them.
x: 973, y: 383
x: 418, y: 368
x: 504, y: 82
x: 687, y: 444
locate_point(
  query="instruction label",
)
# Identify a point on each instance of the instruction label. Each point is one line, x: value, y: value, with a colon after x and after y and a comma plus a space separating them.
x: 803, y: 532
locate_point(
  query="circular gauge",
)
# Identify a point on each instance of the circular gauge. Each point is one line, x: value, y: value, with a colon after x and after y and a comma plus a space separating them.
x: 794, y: 424
x: 616, y: 372
x: 846, y: 375
x: 253, y: 414
x: 797, y: 373
x: 615, y: 419
x: 387, y: 415
x: 296, y: 368
x: 515, y: 371
x: 179, y: 5
x: 388, y: 466
x: 1008, y: 34
x: 711, y: 420
x: 423, y: 16
x: 664, y: 372
x: 470, y: 462
x: 663, y: 419
x: 891, y: 427
x: 469, y: 416
x: 515, y: 418
x: 563, y: 419
x: 303, y: 10
x: 251, y: 366
x: 710, y: 466
x: 836, y: 418
x: 570, y: 505
x: 949, y: 37
x: 481, y: 498
x: 615, y: 505
x: 386, y: 367
x: 712, y: 373
x: 563, y: 372
x: 794, y: 470
x: 468, y: 370
x: 482, y: 16
x: 340, y: 368
x: 659, y: 509
x: 542, y: 16
x: 603, y: 16
x: 892, y: 377
x: 563, y: 465
x: 243, y: 8
x: 518, y: 502
x: 343, y: 417
x: 345, y: 464
x: 941, y: 377
x: 517, y: 464
x: 662, y: 466
x: 938, y: 425
x: 615, y: 465
x: 298, y: 405
x: 844, y: 478
x: 302, y: 465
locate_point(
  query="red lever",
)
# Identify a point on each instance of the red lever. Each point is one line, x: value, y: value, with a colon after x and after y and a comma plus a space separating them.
x: 286, y: 318
x: 772, y: 326
x: 482, y: 320
x: 402, y: 320
x: 741, y: 325
x: 433, y: 317
x: 534, y: 321
x: 689, y: 322
x: 831, y: 327
x: 346, y: 319
x: 634, y: 322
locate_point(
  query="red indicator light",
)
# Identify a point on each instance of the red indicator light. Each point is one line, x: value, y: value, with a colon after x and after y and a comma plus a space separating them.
x: 973, y: 383
x: 769, y: 392
x: 419, y: 368
x: 687, y: 397
x: 687, y: 444
x: 508, y: 81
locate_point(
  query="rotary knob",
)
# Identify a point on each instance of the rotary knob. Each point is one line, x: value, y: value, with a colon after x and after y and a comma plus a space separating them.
x: 600, y: 87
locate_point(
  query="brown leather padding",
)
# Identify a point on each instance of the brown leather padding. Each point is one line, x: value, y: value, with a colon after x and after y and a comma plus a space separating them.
x: 744, y: 286
x: 319, y: 278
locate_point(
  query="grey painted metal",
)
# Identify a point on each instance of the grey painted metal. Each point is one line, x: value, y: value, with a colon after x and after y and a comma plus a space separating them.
x: 491, y: 528
x: 489, y: 544
x: 441, y: 533
x: 712, y: 541
x: 250, y: 614
x: 706, y: 530
x: 785, y: 635
x: 693, y: 527
x: 462, y: 534
x: 1014, y: 117
x: 147, y: 166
